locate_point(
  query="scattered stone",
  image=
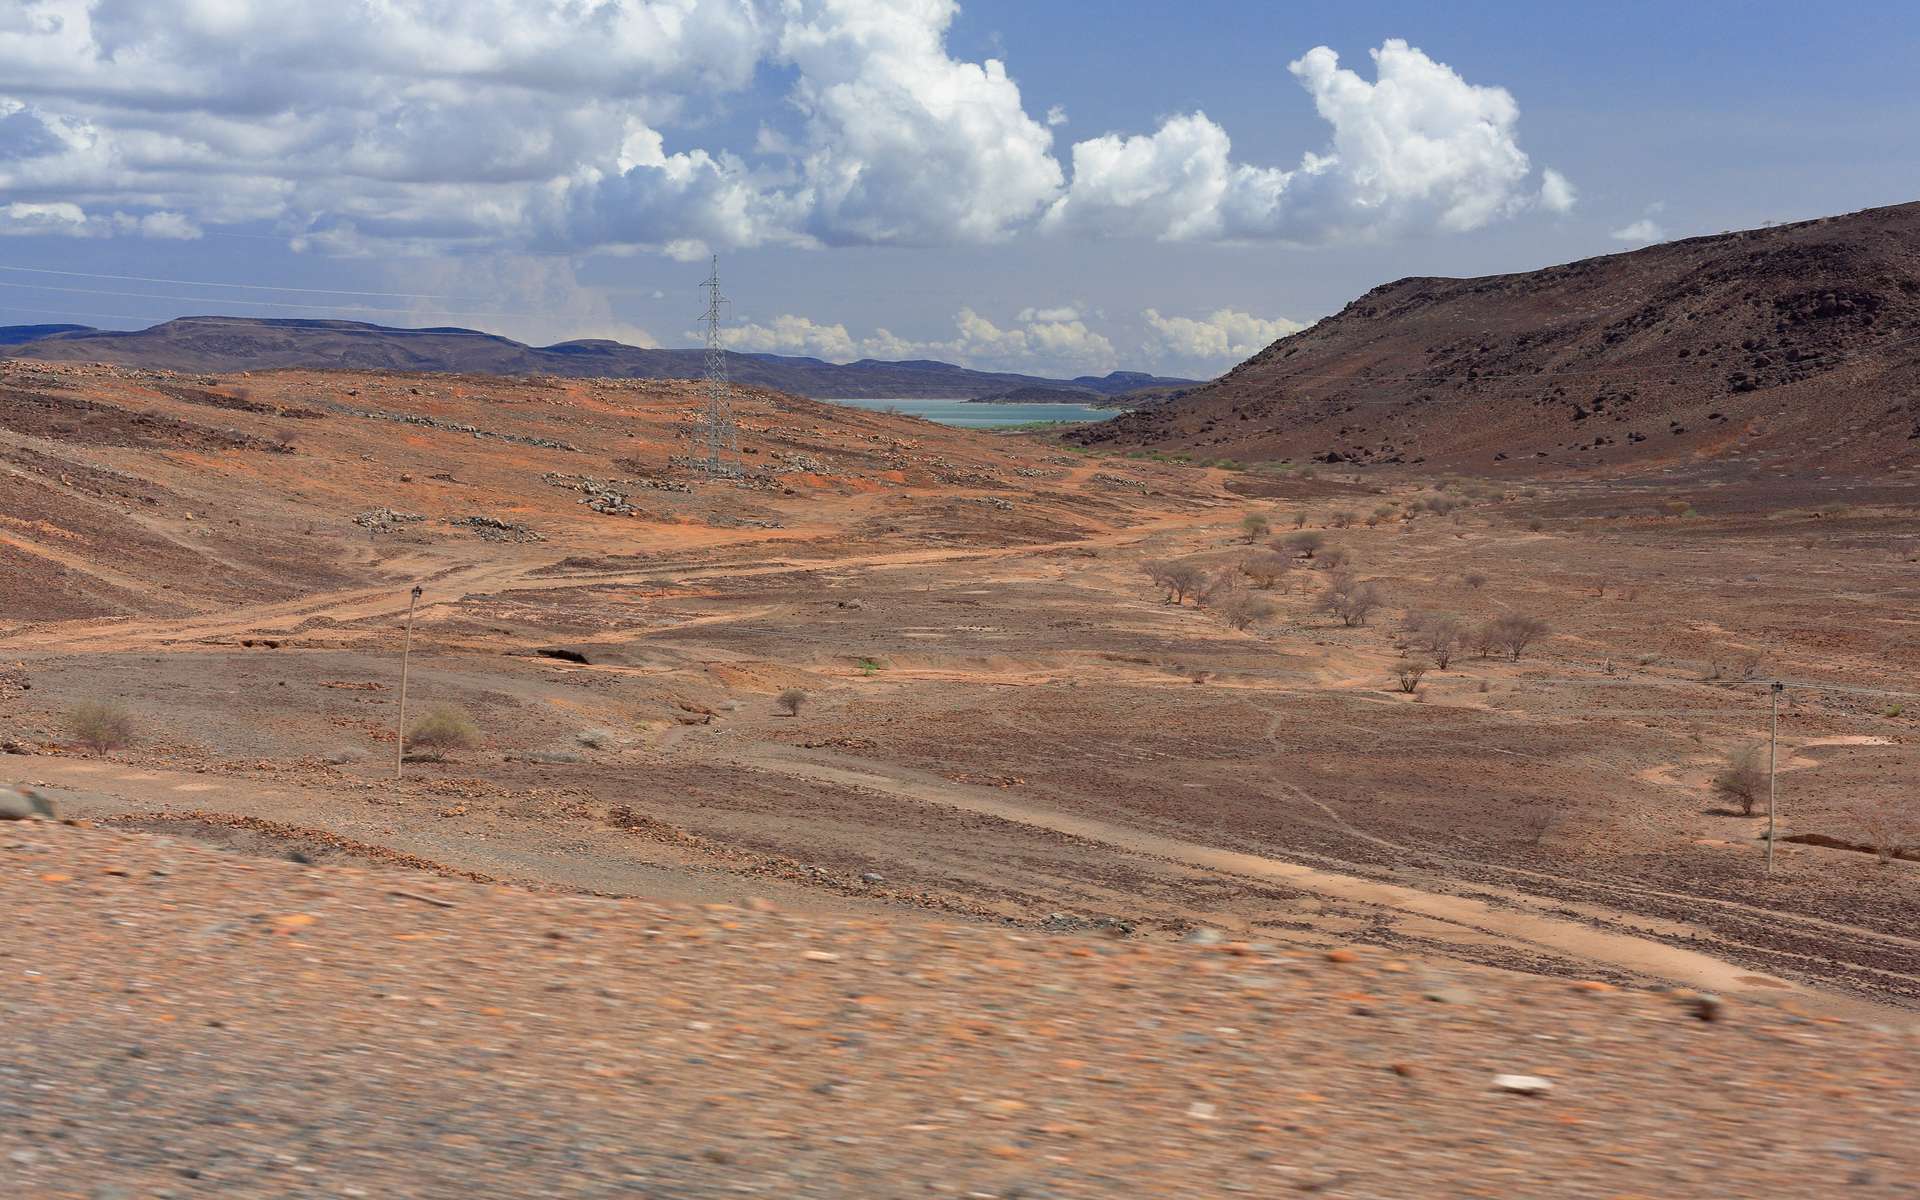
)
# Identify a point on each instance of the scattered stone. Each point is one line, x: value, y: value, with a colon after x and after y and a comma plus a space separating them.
x: 1204, y: 937
x: 23, y: 804
x: 493, y: 529
x: 872, y: 877
x: 386, y: 520
x: 1523, y: 1085
x: 1704, y: 1005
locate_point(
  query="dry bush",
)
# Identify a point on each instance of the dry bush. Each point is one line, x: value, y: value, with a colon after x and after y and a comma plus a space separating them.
x: 1253, y: 527
x: 100, y: 725
x: 1242, y: 610
x: 1743, y: 778
x: 1474, y: 579
x: 1342, y: 520
x: 1410, y: 674
x: 1536, y: 525
x: 1215, y: 587
x: 1300, y: 519
x: 1441, y: 636
x: 1306, y: 545
x: 1890, y: 828
x: 789, y: 701
x: 1332, y: 559
x: 1514, y: 633
x: 1351, y: 600
x: 1265, y: 568
x: 1178, y: 579
x: 1373, y: 519
x: 441, y: 729
x: 1483, y: 638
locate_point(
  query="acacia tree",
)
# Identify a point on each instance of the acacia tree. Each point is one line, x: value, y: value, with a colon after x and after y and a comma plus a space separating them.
x: 1514, y: 633
x: 1742, y: 779
x: 1305, y: 544
x: 1253, y: 527
x: 1242, y: 610
x: 1179, y: 579
x: 1266, y: 568
x: 1442, y: 635
x: 1351, y: 600
x: 1410, y: 674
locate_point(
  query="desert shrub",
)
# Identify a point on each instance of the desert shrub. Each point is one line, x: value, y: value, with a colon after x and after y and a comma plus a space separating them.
x: 790, y: 700
x: 100, y: 725
x: 1333, y: 558
x: 1177, y: 578
x: 1242, y: 609
x: 1410, y: 674
x: 1484, y: 638
x: 1253, y: 527
x: 1514, y: 633
x: 1350, y: 599
x: 1266, y: 568
x: 1441, y: 636
x: 1342, y: 520
x: 441, y: 729
x: 1742, y: 780
x: 1536, y: 525
x: 1306, y: 545
x: 1215, y: 587
x: 1300, y: 519
x: 1474, y: 579
x: 597, y: 739
x: 1888, y: 827
x: 1677, y: 508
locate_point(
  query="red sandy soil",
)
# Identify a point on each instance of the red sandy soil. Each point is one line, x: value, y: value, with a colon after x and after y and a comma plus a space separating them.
x: 179, y: 1022
x: 1006, y: 729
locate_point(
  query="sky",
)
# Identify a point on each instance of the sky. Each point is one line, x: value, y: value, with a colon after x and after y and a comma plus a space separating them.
x: 1033, y: 185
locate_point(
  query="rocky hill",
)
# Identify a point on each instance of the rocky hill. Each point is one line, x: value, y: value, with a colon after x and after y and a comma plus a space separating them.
x: 224, y: 345
x: 1791, y: 344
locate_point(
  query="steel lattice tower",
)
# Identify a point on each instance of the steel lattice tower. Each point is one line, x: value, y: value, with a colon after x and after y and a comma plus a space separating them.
x: 721, y: 437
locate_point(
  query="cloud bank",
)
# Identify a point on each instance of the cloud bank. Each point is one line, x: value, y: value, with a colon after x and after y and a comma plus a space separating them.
x: 578, y: 125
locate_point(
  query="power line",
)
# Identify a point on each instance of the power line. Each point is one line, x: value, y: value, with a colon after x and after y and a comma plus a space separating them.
x: 220, y: 300
x: 1729, y: 683
x: 252, y: 287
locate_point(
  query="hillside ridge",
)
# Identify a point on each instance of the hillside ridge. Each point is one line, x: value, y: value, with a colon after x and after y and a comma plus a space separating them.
x: 1785, y: 344
x: 225, y: 345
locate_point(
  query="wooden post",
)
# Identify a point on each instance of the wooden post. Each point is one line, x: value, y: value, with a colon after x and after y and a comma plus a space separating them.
x: 406, y: 656
x: 1773, y: 757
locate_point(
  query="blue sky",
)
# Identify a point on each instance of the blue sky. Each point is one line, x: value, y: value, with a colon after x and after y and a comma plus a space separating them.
x: 1153, y: 186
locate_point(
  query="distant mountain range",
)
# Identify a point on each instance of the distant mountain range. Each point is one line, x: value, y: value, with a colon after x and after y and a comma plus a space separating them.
x: 222, y: 345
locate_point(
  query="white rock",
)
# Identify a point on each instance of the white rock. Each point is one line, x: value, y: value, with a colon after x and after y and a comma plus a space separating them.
x: 1526, y: 1085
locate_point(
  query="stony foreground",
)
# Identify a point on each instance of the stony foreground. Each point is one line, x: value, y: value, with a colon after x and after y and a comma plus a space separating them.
x: 175, y: 1021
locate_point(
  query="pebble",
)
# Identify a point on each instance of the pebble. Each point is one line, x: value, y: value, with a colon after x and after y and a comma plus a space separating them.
x: 1525, y: 1085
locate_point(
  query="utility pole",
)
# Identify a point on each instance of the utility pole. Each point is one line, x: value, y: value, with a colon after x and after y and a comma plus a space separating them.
x: 721, y: 437
x: 1773, y: 756
x: 406, y: 657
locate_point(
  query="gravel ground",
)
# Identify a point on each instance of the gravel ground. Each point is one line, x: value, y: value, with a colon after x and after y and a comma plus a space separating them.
x: 179, y: 1022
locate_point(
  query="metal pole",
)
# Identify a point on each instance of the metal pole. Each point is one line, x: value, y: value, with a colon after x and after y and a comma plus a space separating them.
x: 406, y: 656
x: 1773, y: 756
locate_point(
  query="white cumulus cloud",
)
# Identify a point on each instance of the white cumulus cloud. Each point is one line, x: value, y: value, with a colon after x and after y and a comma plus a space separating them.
x: 1217, y: 340
x: 1417, y: 148
x: 1557, y: 193
x: 1643, y: 231
x: 1046, y: 342
x: 583, y: 125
